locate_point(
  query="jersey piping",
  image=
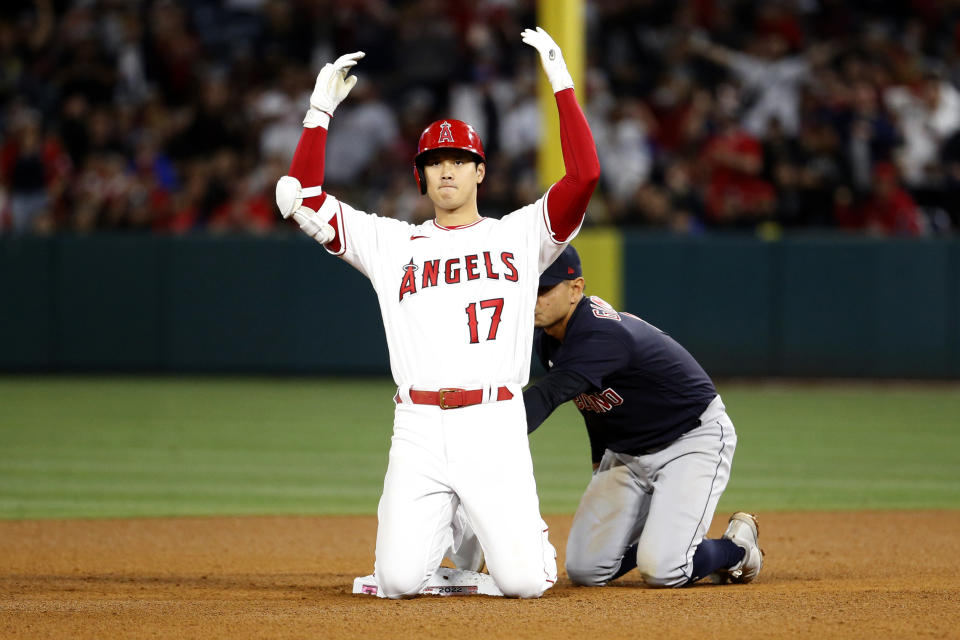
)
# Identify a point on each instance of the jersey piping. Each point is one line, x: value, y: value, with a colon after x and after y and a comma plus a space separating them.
x: 457, y: 227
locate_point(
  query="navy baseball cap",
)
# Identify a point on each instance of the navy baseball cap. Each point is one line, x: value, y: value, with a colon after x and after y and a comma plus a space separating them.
x: 565, y: 267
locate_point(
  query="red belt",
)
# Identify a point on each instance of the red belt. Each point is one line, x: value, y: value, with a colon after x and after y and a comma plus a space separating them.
x: 453, y: 398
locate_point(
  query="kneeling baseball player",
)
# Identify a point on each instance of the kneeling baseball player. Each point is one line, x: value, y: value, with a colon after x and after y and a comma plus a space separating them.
x: 457, y: 295
x: 662, y: 443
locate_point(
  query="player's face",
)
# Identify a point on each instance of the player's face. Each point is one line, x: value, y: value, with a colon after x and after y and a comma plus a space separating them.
x: 555, y: 303
x: 452, y: 178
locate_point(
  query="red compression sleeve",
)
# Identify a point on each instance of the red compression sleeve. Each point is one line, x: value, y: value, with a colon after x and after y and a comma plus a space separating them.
x: 307, y: 167
x: 568, y: 199
x: 307, y: 164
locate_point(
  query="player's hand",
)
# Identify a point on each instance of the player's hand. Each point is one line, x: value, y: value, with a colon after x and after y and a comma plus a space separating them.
x: 550, y: 57
x: 313, y: 225
x: 333, y: 85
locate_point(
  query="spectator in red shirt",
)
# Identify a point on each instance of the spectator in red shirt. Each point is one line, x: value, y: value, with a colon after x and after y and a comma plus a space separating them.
x: 732, y: 159
x: 245, y: 211
x: 890, y: 209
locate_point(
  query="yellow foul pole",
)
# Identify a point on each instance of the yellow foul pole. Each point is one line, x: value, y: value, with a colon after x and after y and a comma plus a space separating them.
x: 564, y: 21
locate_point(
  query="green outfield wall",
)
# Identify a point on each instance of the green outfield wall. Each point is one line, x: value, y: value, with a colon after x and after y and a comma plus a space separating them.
x: 803, y: 306
x: 800, y: 306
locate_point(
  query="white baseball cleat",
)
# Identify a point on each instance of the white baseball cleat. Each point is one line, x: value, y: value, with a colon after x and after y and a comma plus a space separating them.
x: 445, y: 582
x: 743, y: 531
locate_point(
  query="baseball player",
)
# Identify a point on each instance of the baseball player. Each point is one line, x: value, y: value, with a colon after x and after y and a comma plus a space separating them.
x: 661, y: 441
x: 456, y: 295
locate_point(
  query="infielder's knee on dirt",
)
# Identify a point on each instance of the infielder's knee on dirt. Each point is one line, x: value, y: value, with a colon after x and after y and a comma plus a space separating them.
x: 595, y: 547
x: 660, y: 569
x: 590, y: 569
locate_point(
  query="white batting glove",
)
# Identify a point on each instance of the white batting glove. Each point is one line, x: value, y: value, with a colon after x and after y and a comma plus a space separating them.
x: 550, y: 57
x: 333, y: 85
x: 313, y: 225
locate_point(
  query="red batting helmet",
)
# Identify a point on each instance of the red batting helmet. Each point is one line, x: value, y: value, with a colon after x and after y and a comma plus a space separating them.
x: 446, y: 134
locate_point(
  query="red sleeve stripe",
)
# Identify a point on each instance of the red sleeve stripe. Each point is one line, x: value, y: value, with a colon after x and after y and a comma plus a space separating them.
x: 338, y: 245
x: 546, y: 219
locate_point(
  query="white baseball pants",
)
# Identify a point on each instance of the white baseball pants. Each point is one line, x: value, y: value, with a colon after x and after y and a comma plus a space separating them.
x: 477, y: 458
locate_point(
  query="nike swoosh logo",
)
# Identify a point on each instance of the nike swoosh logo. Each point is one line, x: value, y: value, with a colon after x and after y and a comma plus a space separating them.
x: 418, y: 237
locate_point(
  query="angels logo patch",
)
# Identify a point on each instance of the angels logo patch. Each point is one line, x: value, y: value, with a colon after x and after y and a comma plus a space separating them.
x: 446, y: 135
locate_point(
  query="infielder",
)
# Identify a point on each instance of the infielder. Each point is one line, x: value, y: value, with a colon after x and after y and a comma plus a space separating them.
x: 662, y: 443
x: 457, y: 295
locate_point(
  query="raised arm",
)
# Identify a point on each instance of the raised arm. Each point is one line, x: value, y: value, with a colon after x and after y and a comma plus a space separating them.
x: 568, y: 198
x: 299, y: 194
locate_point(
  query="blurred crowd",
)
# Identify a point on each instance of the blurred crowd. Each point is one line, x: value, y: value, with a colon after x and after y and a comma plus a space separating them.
x: 173, y: 116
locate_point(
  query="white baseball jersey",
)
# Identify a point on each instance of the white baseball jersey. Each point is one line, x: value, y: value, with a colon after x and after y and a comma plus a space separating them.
x: 457, y: 303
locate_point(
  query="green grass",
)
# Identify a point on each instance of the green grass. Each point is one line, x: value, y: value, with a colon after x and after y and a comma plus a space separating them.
x: 105, y: 447
x: 852, y: 447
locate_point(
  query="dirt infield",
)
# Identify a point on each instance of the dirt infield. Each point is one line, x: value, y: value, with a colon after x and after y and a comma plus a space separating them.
x: 842, y: 575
